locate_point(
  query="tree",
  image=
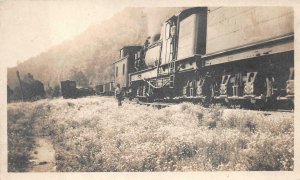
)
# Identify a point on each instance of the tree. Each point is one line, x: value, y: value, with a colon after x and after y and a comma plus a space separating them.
x: 49, y: 91
x: 9, y: 94
x: 56, y: 91
x: 32, y: 89
x: 80, y: 78
x: 16, y: 93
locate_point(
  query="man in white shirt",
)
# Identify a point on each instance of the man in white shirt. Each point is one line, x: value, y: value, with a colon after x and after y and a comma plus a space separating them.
x: 118, y: 95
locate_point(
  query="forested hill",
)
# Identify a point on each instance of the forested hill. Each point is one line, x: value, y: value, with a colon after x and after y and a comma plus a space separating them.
x: 90, y: 54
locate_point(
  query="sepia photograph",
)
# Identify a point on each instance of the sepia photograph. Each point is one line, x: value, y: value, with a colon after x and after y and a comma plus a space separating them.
x: 101, y: 86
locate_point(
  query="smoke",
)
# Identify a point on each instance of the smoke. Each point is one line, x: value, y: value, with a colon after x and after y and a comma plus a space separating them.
x: 156, y: 16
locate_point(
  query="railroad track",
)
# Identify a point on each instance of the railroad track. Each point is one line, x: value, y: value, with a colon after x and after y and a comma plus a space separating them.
x: 160, y: 105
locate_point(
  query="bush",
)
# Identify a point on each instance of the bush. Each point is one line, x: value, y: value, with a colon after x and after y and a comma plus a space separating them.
x: 20, y: 136
x: 94, y: 134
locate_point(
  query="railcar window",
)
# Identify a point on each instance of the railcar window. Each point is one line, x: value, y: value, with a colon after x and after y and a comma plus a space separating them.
x: 167, y: 32
x: 121, y: 53
x: 123, y: 69
x: 291, y: 74
x: 251, y: 77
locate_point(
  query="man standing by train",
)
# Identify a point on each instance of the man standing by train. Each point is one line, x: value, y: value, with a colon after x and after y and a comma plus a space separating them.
x: 118, y: 95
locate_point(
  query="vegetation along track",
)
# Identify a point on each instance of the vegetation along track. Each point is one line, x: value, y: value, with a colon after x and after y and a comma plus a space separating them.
x: 166, y: 103
x: 94, y: 134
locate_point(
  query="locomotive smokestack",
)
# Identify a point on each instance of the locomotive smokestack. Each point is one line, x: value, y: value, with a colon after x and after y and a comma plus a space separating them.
x: 155, y: 19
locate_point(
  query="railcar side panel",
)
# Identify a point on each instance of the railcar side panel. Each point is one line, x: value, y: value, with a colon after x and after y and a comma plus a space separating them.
x: 121, y: 72
x: 230, y: 28
x: 192, y: 34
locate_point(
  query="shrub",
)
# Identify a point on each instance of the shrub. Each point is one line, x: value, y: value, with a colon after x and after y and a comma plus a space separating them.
x: 94, y: 134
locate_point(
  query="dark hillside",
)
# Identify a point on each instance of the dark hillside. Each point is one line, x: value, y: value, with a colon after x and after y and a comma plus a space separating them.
x: 92, y: 52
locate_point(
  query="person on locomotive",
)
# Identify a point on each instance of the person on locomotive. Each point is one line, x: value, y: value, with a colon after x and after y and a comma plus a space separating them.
x: 173, y: 40
x: 119, y: 95
x: 146, y: 44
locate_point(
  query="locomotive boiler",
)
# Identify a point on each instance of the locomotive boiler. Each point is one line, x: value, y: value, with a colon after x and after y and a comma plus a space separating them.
x: 231, y: 54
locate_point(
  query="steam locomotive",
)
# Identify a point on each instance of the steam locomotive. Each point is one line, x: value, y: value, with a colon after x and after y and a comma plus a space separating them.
x: 236, y: 55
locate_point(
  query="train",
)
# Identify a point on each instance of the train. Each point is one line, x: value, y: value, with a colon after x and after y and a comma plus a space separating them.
x: 69, y: 89
x: 235, y: 55
x: 106, y: 89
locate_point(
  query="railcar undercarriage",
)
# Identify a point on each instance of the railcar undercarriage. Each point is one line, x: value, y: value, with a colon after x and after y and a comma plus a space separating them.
x: 262, y: 83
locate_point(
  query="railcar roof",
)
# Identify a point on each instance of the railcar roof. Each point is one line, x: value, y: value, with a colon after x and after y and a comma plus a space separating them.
x: 127, y: 46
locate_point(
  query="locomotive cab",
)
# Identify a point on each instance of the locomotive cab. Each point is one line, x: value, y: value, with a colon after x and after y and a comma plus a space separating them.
x: 125, y: 65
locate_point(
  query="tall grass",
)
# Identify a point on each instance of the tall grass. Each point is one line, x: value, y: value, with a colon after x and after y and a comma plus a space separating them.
x: 94, y: 134
x: 20, y: 136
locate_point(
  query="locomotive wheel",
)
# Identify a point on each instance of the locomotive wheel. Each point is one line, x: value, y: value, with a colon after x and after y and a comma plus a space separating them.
x: 228, y: 102
x: 291, y: 105
x: 268, y: 101
x: 209, y: 97
x: 246, y: 104
x: 150, y: 99
x: 271, y: 98
x: 206, y: 101
x: 258, y: 104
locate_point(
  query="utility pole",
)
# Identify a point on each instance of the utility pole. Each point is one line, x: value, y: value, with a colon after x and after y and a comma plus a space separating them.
x: 18, y: 74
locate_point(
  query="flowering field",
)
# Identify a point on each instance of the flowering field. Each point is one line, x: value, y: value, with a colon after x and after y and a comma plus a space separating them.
x: 94, y: 134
